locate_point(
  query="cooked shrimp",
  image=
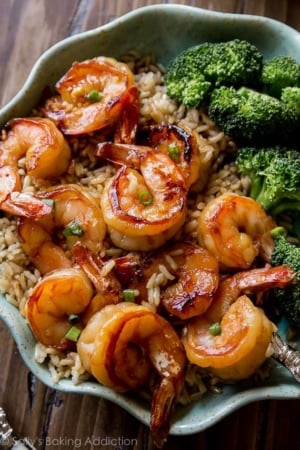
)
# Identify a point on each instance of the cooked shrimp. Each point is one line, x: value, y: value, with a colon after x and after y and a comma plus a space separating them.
x: 108, y: 288
x: 120, y: 344
x: 180, y: 144
x: 76, y: 213
x: 253, y: 280
x: 126, y: 127
x: 47, y: 154
x: 24, y: 205
x: 148, y: 200
x: 93, y: 95
x: 240, y: 346
x: 53, y: 300
x: 235, y: 229
x: 191, y: 281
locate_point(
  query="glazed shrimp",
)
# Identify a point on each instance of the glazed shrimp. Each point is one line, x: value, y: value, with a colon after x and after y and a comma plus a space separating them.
x: 235, y: 229
x: 192, y: 281
x: 120, y: 344
x: 254, y: 280
x: 47, y: 154
x: 180, y: 144
x: 93, y: 95
x: 240, y: 346
x: 76, y: 213
x: 53, y: 300
x: 143, y: 206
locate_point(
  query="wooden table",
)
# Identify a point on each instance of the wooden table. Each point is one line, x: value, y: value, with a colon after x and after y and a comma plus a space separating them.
x: 52, y: 419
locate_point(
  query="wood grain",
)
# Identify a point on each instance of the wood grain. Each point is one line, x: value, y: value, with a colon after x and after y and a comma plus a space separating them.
x: 51, y: 419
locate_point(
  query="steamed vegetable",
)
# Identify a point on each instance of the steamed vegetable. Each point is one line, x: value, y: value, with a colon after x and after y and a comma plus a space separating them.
x: 287, y: 299
x: 274, y: 175
x: 195, y: 72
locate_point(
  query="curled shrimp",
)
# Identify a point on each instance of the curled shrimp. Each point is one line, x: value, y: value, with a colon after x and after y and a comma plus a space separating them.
x: 145, y: 205
x: 235, y: 229
x: 93, y: 95
x: 74, y: 212
x: 180, y: 144
x: 192, y: 278
x: 254, y: 280
x: 53, y: 300
x: 47, y: 154
x: 240, y: 346
x: 121, y: 343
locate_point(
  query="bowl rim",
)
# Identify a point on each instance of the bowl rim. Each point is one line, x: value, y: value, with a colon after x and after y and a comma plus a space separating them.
x: 134, y: 15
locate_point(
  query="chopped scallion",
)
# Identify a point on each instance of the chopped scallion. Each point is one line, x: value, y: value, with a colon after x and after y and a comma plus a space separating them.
x: 174, y: 151
x: 215, y: 329
x: 73, y: 334
x: 145, y: 198
x: 128, y: 295
x: 94, y: 96
x: 73, y: 229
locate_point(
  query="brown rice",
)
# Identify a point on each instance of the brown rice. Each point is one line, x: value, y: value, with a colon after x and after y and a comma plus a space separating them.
x: 18, y: 276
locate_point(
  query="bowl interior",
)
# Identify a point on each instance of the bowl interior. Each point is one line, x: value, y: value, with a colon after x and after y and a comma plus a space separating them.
x: 176, y: 28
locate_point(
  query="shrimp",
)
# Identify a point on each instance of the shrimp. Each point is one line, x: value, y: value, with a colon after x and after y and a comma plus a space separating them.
x: 75, y: 212
x: 240, y: 346
x: 235, y: 229
x: 108, y: 288
x: 146, y: 203
x: 93, y: 96
x: 53, y: 300
x: 253, y: 280
x: 192, y: 281
x: 121, y: 343
x: 179, y: 143
x: 47, y: 154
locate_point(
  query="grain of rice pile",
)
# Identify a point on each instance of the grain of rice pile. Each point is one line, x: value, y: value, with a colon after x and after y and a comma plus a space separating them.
x: 18, y: 276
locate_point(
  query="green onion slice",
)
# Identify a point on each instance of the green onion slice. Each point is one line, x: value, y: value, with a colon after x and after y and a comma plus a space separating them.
x: 73, y: 229
x: 174, y: 151
x: 94, y: 96
x: 128, y: 295
x: 73, y: 334
x: 145, y: 198
x: 215, y: 329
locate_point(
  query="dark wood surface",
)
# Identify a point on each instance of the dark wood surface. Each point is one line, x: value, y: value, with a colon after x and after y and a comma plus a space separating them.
x: 51, y: 419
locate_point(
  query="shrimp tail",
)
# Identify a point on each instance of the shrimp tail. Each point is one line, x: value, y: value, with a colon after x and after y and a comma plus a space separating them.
x: 89, y: 262
x: 163, y: 402
x: 127, y: 126
x: 25, y: 205
x: 122, y: 154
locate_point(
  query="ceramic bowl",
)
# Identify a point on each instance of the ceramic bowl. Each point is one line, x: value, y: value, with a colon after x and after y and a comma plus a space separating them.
x: 162, y: 30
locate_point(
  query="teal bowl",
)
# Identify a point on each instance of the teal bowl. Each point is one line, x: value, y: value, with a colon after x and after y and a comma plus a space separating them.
x: 161, y: 30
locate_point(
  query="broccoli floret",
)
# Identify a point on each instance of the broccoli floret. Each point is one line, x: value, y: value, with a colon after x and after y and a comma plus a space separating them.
x: 246, y: 115
x: 252, y: 163
x: 278, y: 73
x: 274, y: 172
x: 191, y: 76
x: 288, y: 298
x: 290, y: 100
